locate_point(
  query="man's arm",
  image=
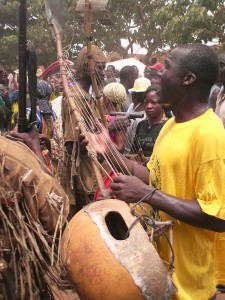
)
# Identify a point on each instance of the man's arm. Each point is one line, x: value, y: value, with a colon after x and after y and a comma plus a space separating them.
x: 131, y: 189
x: 187, y: 211
x: 31, y: 139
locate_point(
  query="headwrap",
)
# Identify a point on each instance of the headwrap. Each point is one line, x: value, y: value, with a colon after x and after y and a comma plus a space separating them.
x: 44, y: 91
x: 82, y: 60
x: 116, y: 93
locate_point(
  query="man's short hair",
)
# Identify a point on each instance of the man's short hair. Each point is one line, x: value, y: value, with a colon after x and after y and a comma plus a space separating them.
x: 125, y: 73
x: 202, y: 61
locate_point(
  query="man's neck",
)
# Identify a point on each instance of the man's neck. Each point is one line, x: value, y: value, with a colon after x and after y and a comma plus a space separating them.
x: 185, y: 114
x: 125, y: 86
x: 84, y: 84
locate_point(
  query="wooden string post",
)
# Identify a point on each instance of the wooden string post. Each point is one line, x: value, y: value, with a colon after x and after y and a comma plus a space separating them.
x: 105, y: 193
x: 91, y: 68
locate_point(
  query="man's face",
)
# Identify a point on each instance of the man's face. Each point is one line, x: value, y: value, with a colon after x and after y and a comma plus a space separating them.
x: 170, y: 78
x: 147, y: 73
x: 109, y: 72
x: 100, y: 72
x: 3, y: 77
x: 222, y: 67
x: 132, y: 77
x: 150, y: 73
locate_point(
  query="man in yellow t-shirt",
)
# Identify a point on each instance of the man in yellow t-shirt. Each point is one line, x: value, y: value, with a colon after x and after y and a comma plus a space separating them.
x: 192, y: 168
x: 188, y: 169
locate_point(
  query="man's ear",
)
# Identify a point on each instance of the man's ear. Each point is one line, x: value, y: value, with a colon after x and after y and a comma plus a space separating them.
x: 189, y: 79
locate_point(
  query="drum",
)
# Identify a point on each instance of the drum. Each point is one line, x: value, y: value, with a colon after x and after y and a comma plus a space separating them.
x: 104, y: 260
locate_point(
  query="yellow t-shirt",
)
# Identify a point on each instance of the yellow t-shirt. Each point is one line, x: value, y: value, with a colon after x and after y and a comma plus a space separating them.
x: 220, y: 260
x: 188, y: 161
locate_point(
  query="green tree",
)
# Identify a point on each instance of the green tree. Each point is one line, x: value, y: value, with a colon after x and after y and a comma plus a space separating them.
x: 149, y: 24
x: 192, y: 21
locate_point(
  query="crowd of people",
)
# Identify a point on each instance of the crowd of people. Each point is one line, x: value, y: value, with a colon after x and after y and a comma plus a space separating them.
x: 164, y: 134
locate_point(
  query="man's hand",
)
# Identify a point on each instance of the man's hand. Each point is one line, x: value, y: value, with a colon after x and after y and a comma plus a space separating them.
x: 29, y: 138
x: 100, y: 141
x: 129, y: 188
x: 45, y: 141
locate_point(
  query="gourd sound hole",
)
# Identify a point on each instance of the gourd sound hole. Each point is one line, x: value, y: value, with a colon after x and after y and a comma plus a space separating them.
x: 116, y: 226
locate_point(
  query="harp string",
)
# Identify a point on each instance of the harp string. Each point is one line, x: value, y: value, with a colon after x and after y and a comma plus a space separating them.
x: 89, y: 118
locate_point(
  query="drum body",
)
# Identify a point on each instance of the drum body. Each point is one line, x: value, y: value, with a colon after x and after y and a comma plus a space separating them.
x: 105, y: 261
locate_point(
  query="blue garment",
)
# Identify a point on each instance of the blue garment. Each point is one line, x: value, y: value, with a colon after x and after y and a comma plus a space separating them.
x: 41, y: 122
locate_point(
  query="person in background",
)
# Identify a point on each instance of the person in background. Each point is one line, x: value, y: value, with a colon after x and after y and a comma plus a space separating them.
x: 148, y: 130
x: 117, y: 75
x: 213, y: 95
x: 137, y: 106
x: 127, y: 77
x: 110, y: 74
x: 45, y: 115
x: 5, y: 114
x: 2, y: 118
x: 12, y: 84
x: 40, y: 71
x: 5, y: 95
x: 136, y: 69
x: 220, y: 103
x: 14, y: 98
x: 154, y: 72
x: 148, y: 73
x: 114, y: 95
x: 45, y: 119
x: 56, y: 102
x: 52, y: 80
x: 153, y: 61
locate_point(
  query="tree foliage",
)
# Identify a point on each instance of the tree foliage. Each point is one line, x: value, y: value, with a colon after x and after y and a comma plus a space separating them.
x: 149, y: 24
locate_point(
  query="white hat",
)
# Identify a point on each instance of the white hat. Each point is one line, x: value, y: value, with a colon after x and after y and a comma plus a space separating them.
x: 140, y: 85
